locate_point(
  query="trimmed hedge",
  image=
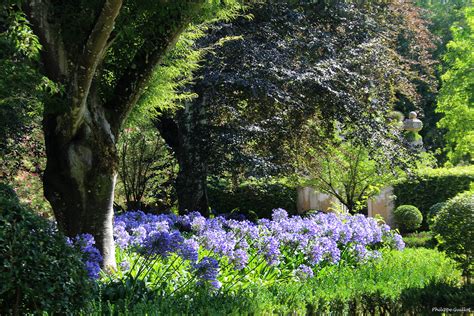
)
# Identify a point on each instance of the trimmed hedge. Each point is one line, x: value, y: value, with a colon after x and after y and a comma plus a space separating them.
x: 431, y: 186
x: 258, y: 197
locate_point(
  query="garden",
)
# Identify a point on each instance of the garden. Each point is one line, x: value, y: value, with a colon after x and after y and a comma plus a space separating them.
x: 227, y: 157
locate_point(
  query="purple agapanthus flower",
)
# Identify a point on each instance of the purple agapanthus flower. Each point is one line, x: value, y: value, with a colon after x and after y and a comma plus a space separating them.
x: 189, y: 250
x: 91, y: 255
x: 162, y: 243
x: 318, y: 238
x: 304, y: 272
x: 207, y: 270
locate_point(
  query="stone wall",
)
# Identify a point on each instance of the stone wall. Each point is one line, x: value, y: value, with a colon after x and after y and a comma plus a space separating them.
x: 310, y: 199
x: 383, y: 205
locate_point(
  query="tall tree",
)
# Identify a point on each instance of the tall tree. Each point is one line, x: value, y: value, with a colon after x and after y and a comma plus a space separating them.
x: 102, y: 54
x: 456, y: 97
x: 292, y: 62
x: 441, y: 15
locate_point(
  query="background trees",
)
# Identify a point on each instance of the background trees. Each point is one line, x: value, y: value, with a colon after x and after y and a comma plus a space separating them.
x: 456, y: 97
x: 347, y: 171
x: 288, y: 64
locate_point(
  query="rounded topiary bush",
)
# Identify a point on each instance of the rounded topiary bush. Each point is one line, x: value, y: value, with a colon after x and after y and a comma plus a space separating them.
x: 454, y: 229
x: 407, y: 218
x: 39, y: 270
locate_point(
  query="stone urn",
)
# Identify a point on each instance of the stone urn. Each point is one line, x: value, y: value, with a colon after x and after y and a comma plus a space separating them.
x: 412, y: 125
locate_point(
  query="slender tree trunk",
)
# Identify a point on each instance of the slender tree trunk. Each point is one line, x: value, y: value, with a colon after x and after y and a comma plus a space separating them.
x: 80, y: 178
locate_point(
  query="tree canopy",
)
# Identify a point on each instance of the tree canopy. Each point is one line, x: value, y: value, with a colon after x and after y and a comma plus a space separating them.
x: 297, y: 62
x: 286, y: 65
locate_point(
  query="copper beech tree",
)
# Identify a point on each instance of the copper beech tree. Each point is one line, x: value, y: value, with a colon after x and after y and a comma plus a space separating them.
x: 293, y: 63
x: 101, y: 54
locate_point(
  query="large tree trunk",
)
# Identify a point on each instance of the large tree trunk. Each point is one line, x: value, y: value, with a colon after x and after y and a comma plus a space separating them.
x: 191, y: 182
x: 187, y: 134
x: 81, y: 129
x: 80, y: 178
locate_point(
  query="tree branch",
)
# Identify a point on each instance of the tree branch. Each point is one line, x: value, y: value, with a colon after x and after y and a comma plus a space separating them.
x: 53, y: 54
x: 93, y: 54
x: 132, y: 83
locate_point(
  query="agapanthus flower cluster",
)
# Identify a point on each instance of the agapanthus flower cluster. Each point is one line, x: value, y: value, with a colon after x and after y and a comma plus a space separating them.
x: 322, y: 238
x: 304, y: 272
x: 207, y: 271
x: 91, y: 255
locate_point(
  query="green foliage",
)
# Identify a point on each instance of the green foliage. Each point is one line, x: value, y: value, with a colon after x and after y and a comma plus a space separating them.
x: 454, y: 228
x: 8, y: 195
x: 164, y: 92
x: 456, y: 97
x: 430, y: 186
x: 396, y: 284
x: 421, y: 239
x: 407, y: 218
x: 347, y: 171
x: 147, y: 170
x: 258, y: 197
x: 39, y: 271
x: 425, y: 301
x: 434, y: 210
x: 441, y: 15
x: 22, y: 90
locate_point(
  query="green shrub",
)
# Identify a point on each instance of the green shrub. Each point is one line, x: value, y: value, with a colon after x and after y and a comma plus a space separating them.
x: 422, y: 239
x: 7, y: 193
x: 39, y: 271
x: 454, y: 228
x: 431, y: 186
x: 252, y: 197
x: 407, y: 218
x: 434, y: 210
x: 380, y: 285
